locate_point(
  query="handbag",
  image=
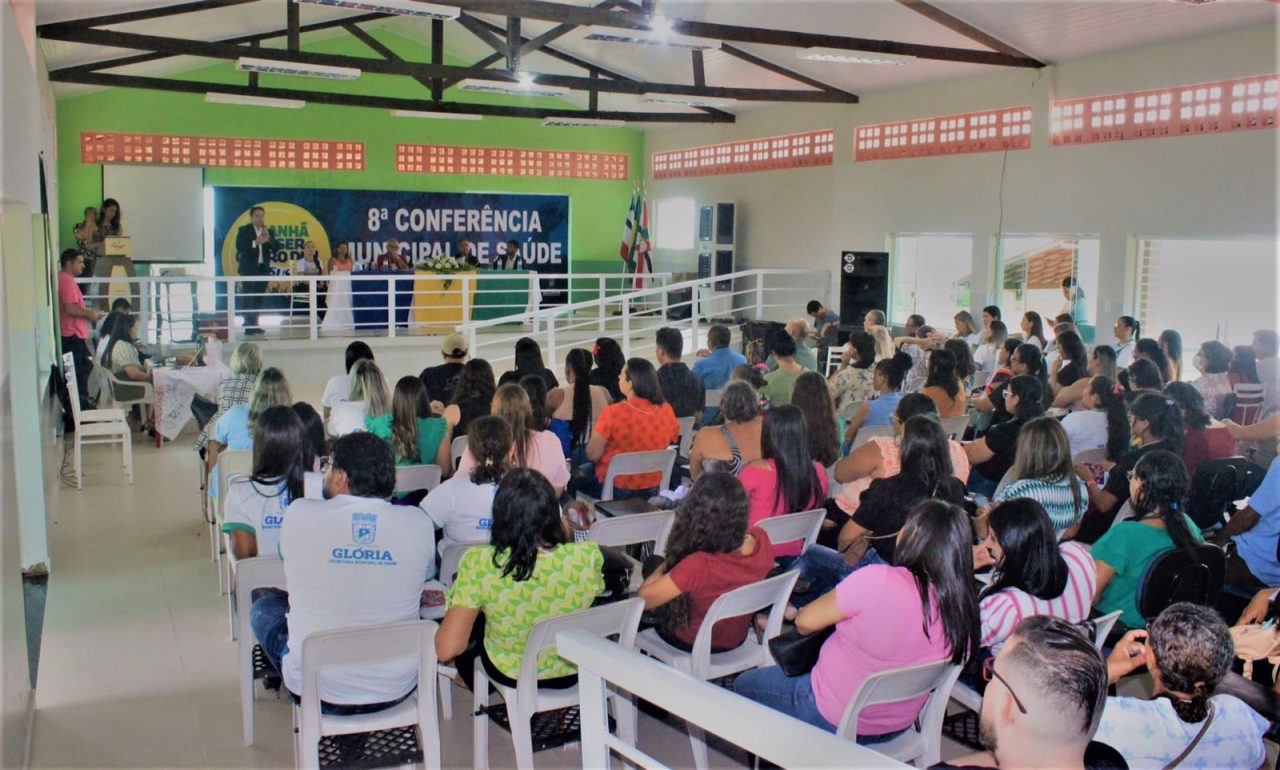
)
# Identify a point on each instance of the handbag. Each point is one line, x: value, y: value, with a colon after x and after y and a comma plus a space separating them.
x: 203, y: 409
x: 1256, y: 642
x: 797, y: 653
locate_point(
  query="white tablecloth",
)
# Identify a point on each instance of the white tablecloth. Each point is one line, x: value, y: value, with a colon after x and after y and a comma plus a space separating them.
x: 175, y: 389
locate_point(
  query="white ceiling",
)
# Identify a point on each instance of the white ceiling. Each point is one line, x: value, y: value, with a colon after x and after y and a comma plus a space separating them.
x: 1049, y: 30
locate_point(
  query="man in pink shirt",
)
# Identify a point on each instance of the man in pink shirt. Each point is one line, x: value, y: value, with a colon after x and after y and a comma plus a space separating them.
x: 74, y: 318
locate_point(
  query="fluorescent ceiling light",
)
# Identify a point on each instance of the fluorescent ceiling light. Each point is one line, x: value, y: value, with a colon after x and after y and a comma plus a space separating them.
x: 584, y: 122
x: 653, y: 37
x: 435, y: 115
x: 270, y: 66
x: 687, y: 101
x: 843, y: 56
x: 217, y: 97
x: 517, y: 89
x: 399, y: 7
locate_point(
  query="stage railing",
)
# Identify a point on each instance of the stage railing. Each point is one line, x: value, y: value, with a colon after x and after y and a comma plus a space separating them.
x: 772, y: 736
x: 173, y: 309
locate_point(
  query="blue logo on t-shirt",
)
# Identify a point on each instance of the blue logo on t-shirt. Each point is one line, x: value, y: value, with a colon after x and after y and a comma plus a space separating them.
x: 272, y: 522
x: 364, y: 528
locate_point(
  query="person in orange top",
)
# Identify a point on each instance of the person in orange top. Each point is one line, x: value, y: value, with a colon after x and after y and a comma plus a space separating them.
x: 641, y: 422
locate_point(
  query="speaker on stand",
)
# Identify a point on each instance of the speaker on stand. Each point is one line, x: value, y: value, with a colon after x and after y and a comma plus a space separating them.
x: 864, y: 285
x: 717, y: 245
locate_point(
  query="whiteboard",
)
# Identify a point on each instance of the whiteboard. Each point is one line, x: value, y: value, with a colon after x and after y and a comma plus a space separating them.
x: 162, y: 210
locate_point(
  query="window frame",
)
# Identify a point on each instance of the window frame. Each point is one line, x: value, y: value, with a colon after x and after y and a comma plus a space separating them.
x: 891, y: 245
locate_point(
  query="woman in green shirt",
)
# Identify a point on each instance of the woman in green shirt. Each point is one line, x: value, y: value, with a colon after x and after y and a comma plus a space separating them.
x: 529, y: 572
x: 416, y: 437
x: 1157, y: 491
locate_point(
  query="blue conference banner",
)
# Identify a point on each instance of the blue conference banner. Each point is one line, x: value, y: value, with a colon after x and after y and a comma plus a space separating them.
x: 427, y: 224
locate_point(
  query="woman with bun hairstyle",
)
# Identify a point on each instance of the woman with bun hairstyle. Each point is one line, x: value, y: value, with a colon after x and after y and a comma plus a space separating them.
x: 888, y: 378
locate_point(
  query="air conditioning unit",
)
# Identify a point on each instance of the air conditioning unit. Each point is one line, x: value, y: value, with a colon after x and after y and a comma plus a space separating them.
x: 717, y: 256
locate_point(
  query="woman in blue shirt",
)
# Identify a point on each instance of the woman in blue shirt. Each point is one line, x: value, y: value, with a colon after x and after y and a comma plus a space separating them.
x: 888, y: 378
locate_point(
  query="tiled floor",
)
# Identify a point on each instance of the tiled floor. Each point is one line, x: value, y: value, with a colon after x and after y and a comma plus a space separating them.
x: 137, y: 669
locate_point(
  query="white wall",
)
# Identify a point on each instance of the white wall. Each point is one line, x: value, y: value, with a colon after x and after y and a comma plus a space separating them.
x: 1205, y: 186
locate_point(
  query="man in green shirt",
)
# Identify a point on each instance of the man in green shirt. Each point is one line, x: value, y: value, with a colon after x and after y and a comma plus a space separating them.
x: 781, y: 381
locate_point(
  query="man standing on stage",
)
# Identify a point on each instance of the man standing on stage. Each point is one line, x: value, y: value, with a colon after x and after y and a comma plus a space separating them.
x: 256, y: 247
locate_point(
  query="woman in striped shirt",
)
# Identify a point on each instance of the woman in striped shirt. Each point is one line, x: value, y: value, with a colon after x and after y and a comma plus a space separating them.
x: 1042, y: 471
x: 1033, y: 575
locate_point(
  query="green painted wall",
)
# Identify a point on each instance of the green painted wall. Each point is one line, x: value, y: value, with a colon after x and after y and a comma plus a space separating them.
x: 596, y: 207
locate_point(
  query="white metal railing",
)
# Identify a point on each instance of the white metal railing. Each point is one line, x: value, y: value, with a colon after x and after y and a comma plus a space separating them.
x: 768, y: 734
x: 172, y: 308
x: 764, y: 294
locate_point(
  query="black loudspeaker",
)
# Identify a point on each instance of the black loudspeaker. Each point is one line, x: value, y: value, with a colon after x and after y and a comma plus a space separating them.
x: 864, y: 285
x: 704, y: 223
x: 724, y: 223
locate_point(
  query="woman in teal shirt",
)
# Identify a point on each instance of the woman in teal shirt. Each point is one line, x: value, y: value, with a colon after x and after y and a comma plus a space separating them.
x: 416, y: 437
x: 1157, y: 491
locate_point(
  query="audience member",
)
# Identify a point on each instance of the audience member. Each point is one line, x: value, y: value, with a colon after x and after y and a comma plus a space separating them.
x: 536, y: 390
x: 529, y: 572
x: 872, y: 318
x: 681, y: 388
x: 728, y: 447
x: 921, y: 610
x: 350, y: 560
x: 246, y: 362
x: 995, y: 453
x: 338, y: 388
x: 786, y: 479
x: 1045, y: 709
x: 806, y: 356
x: 999, y: 376
x: 368, y: 399
x: 781, y: 381
x: 576, y: 405
x: 1142, y: 375
x: 316, y: 438
x: 990, y: 313
x: 609, y: 361
x: 1265, y: 344
x: 234, y: 430
x: 1033, y: 330
x: 711, y: 550
x: 884, y: 342
x: 255, y: 506
x: 1171, y: 345
x: 826, y: 324
x: 473, y: 396
x: 641, y: 422
x: 1150, y: 350
x: 753, y: 377
x: 1102, y: 363
x: 822, y: 426
x: 1101, y: 422
x: 1213, y: 361
x: 1188, y: 651
x: 121, y: 358
x: 462, y: 506
x: 1155, y: 425
x: 442, y: 379
x: 1042, y: 471
x: 1244, y: 366
x: 714, y: 368
x: 532, y: 448
x: 416, y: 437
x: 73, y: 321
x: 1158, y: 491
x: 1251, y: 536
x: 529, y: 361
x: 1025, y: 360
x: 880, y: 457
x: 1127, y: 331
x: 944, y: 385
x: 965, y: 368
x: 1033, y: 574
x: 1072, y: 362
x: 855, y: 380
x: 967, y: 329
x: 888, y: 378
x: 1204, y: 438
x: 987, y: 356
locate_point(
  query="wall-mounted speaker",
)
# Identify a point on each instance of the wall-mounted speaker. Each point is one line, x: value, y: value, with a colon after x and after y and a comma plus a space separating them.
x: 864, y: 285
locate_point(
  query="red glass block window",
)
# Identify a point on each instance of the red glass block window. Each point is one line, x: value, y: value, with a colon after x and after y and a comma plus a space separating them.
x: 221, y: 151
x: 510, y: 161
x: 812, y: 148
x: 1007, y: 128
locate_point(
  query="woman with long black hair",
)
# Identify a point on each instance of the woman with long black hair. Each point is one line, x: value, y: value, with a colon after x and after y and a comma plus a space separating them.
x: 1024, y: 360
x: 1103, y: 422
x: 575, y: 405
x: 944, y: 384
x: 472, y: 397
x: 1204, y: 438
x: 281, y: 459
x: 1150, y: 349
x: 813, y: 396
x: 919, y: 610
x: 529, y: 361
x: 786, y: 479
x: 1158, y: 491
x: 1072, y: 361
x: 1033, y: 330
x: 609, y: 362
x: 994, y: 454
x: 711, y: 551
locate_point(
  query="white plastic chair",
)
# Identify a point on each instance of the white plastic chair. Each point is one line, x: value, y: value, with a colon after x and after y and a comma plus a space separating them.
x: 713, y: 398
x: 954, y: 427
x: 449, y: 559
x: 411, y: 478
x: 148, y: 397
x: 232, y: 464
x: 526, y: 698
x: 1250, y: 398
x: 833, y: 359
x: 706, y: 665
x: 621, y: 531
x: 686, y: 435
x: 850, y: 409
x: 631, y: 463
x: 1005, y: 481
x: 913, y: 385
x: 95, y: 426
x: 804, y: 525
x: 1094, y: 456
x: 258, y: 572
x: 921, y: 744
x: 866, y: 433
x: 457, y: 449
x: 357, y: 646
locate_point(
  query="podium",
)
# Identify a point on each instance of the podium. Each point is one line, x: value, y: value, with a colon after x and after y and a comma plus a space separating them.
x: 117, y: 264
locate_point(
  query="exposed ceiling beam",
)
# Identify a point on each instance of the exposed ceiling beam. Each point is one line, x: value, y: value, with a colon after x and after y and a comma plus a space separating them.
x: 474, y: 70
x: 961, y: 27
x: 751, y: 58
x: 155, y: 12
x: 378, y: 102
x: 563, y: 13
x: 377, y: 47
x: 477, y: 28
x: 293, y: 22
x: 178, y: 46
x: 699, y: 68
x: 534, y: 44
x: 437, y: 57
x: 513, y: 43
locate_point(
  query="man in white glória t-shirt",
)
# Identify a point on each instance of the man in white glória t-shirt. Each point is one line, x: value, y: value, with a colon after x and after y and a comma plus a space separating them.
x: 352, y: 560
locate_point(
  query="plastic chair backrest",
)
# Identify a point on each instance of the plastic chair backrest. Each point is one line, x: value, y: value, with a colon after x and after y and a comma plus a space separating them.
x: 833, y: 360
x: 1249, y: 399
x: 411, y: 478
x: 1095, y: 456
x: 1181, y: 575
x: 232, y: 464
x: 1215, y: 486
x: 804, y: 525
x: 955, y: 427
x: 899, y: 684
x: 850, y: 409
x: 450, y: 557
x: 73, y: 387
x: 686, y: 434
x: 771, y: 592
x: 1008, y: 479
x: 457, y: 449
x: 867, y: 433
x: 631, y: 463
x: 621, y: 531
x: 620, y: 618
x: 713, y: 397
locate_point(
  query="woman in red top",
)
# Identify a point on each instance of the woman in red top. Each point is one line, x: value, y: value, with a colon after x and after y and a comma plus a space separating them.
x: 710, y: 552
x: 1206, y: 438
x: 641, y: 422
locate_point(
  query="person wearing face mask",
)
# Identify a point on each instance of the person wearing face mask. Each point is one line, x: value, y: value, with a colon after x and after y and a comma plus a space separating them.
x: 1212, y: 360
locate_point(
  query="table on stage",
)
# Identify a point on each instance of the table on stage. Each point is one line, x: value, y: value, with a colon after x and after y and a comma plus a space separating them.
x: 423, y: 299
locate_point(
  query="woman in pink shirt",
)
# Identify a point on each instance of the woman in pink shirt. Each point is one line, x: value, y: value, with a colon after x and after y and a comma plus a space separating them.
x: 786, y: 479
x: 536, y: 449
x: 920, y: 610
